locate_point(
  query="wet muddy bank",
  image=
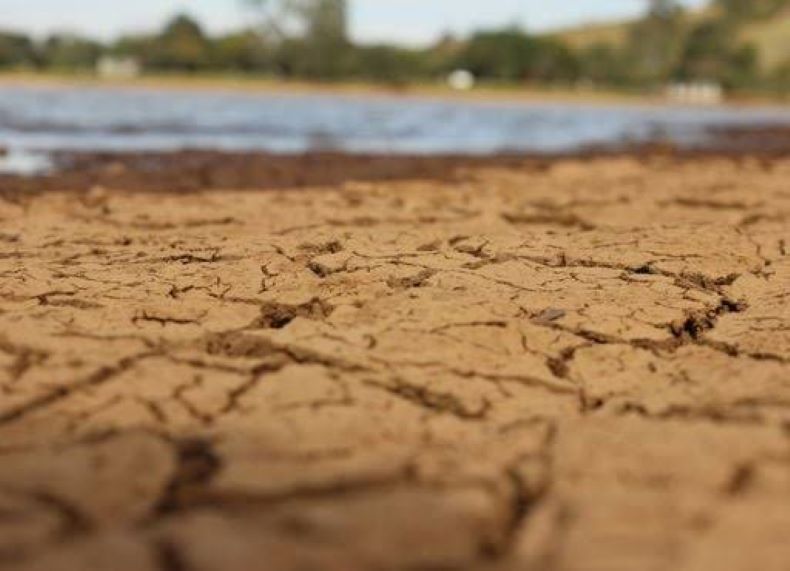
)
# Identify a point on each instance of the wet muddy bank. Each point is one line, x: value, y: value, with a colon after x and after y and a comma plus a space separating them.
x: 197, y: 170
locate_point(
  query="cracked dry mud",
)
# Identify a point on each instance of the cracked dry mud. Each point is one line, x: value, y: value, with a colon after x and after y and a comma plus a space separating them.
x: 579, y: 367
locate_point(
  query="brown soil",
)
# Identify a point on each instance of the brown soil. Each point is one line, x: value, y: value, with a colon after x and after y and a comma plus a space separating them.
x: 198, y: 170
x: 567, y: 366
x: 189, y: 171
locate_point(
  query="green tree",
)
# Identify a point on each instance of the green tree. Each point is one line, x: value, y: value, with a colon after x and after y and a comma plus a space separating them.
x: 741, y: 10
x: 513, y: 55
x: 443, y: 56
x: 656, y: 42
x: 16, y: 50
x: 246, y: 51
x: 326, y: 20
x: 182, y: 44
x: 311, y: 18
x: 387, y: 64
x: 312, y: 34
x: 780, y: 79
x: 298, y: 57
x: 70, y: 52
x: 710, y: 55
x: 604, y: 63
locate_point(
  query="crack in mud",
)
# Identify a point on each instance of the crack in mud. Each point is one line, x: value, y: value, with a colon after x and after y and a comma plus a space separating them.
x: 197, y: 464
x: 500, y: 374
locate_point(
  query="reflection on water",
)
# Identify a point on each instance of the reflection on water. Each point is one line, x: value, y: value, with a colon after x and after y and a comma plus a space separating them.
x: 113, y: 119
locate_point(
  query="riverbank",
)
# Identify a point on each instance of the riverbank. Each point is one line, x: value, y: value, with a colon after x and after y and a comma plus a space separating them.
x: 138, y: 121
x: 484, y: 93
x: 483, y: 367
x: 205, y: 170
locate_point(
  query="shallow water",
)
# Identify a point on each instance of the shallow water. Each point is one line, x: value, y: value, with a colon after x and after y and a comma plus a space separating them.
x: 113, y: 119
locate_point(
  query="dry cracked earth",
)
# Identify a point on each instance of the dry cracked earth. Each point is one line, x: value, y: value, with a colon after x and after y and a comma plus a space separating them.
x: 579, y: 367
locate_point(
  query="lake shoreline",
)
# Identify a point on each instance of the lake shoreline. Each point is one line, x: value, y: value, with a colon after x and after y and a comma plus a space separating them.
x: 46, y: 115
x: 185, y: 171
x: 491, y: 94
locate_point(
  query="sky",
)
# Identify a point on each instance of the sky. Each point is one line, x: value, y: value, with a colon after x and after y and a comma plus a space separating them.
x: 411, y: 22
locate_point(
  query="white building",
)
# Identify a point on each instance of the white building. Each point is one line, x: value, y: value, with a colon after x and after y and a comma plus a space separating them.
x: 461, y: 80
x: 696, y: 92
x: 112, y: 67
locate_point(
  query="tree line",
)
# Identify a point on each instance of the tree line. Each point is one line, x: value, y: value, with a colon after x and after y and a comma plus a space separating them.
x: 308, y: 39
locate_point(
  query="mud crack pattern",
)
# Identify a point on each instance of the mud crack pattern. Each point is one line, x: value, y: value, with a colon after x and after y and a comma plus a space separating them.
x: 580, y: 367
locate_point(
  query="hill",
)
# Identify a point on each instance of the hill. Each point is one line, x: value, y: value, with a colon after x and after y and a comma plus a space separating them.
x: 585, y: 36
x: 771, y: 36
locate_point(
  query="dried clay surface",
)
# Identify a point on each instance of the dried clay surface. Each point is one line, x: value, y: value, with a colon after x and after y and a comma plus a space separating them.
x: 580, y: 367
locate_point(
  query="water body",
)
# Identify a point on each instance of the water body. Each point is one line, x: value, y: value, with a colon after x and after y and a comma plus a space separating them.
x: 34, y: 120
